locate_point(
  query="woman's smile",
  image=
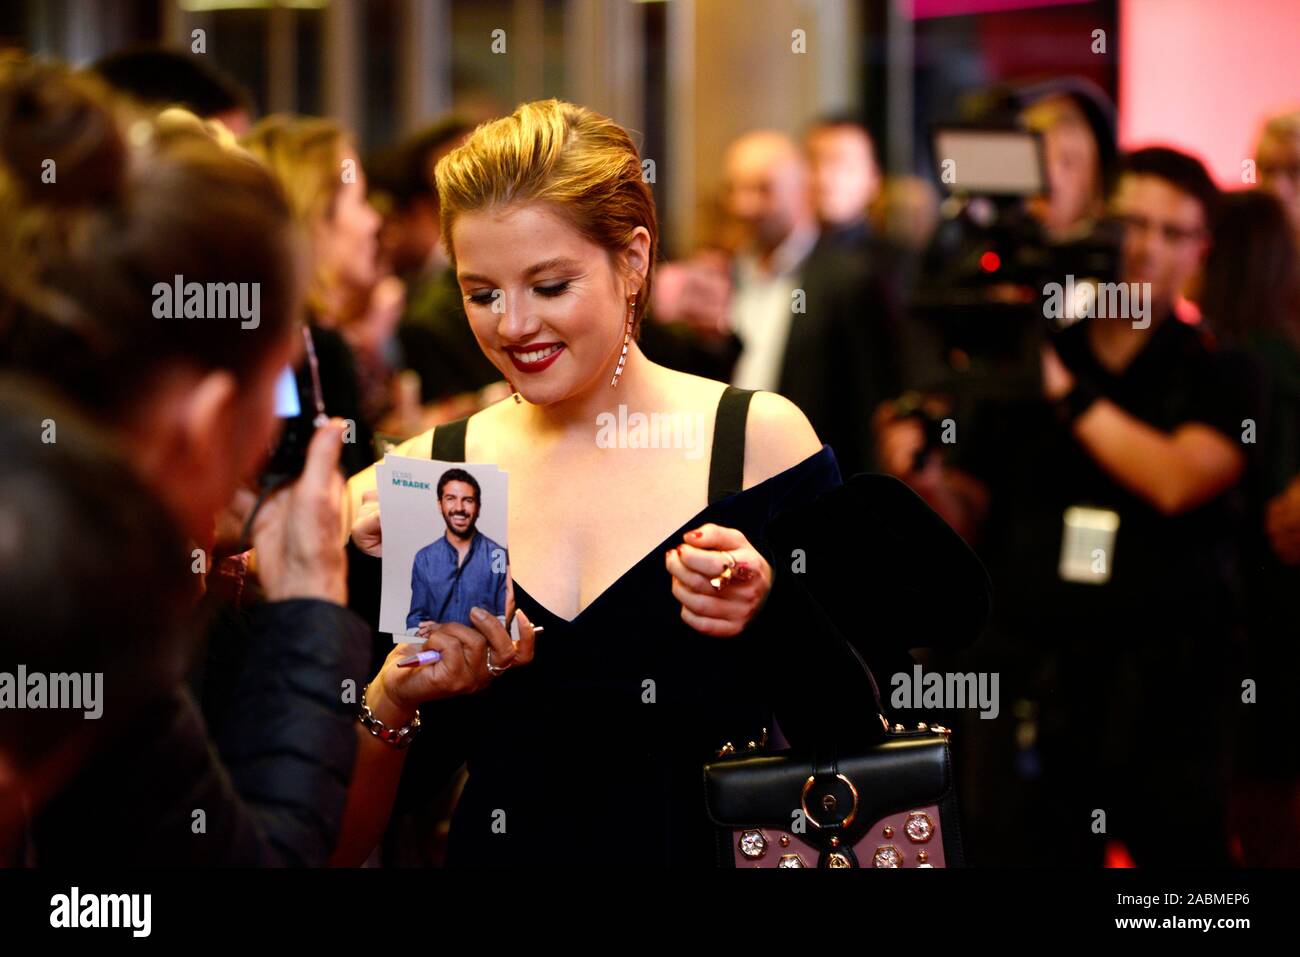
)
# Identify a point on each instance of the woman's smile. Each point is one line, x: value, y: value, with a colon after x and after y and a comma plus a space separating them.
x: 536, y: 356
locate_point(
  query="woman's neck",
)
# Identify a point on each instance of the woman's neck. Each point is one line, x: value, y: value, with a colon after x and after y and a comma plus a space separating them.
x: 578, y: 414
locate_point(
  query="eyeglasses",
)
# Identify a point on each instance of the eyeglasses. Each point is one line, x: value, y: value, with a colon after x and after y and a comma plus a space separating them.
x: 1170, y: 232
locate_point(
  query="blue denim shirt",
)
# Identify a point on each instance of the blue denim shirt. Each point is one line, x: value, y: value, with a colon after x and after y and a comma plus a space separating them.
x: 435, y: 581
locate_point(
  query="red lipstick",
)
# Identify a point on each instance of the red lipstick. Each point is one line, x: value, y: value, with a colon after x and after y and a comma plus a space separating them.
x: 539, y: 356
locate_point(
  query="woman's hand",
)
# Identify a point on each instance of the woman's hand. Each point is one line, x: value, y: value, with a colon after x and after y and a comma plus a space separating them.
x: 366, y: 533
x: 708, y: 553
x: 463, y: 668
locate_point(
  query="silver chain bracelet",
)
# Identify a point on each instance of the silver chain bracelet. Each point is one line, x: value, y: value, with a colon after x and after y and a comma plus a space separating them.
x: 394, y: 737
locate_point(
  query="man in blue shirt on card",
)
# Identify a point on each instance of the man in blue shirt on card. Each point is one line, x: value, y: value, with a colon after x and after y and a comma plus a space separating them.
x: 464, y: 567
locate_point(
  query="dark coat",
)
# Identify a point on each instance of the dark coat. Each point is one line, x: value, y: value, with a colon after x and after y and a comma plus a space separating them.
x: 271, y: 781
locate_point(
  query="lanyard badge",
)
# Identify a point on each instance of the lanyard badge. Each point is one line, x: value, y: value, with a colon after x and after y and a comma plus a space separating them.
x: 1088, y: 545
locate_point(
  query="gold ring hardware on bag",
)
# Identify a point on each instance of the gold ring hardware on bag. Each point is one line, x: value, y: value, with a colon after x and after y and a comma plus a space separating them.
x: 848, y: 818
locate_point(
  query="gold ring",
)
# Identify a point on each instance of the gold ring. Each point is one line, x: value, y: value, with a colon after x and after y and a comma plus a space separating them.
x: 725, y: 575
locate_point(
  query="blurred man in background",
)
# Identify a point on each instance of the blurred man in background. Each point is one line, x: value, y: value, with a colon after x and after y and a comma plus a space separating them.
x: 436, y: 343
x: 845, y: 179
x: 804, y: 318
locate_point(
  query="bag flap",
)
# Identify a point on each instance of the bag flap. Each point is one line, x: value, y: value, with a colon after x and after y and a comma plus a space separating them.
x: 902, y: 772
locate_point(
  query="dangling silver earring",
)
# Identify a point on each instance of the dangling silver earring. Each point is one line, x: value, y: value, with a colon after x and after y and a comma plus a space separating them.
x: 627, y: 338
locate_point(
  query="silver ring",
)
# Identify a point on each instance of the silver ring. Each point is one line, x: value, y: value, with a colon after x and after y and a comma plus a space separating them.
x: 493, y: 669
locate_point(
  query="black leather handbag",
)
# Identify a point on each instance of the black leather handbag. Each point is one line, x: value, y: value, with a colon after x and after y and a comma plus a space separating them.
x: 891, y: 802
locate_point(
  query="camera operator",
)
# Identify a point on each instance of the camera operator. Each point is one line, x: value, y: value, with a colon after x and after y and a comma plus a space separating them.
x: 1126, y: 609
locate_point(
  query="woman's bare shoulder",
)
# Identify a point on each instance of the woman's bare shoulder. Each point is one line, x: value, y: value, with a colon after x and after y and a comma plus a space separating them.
x: 777, y: 433
x: 777, y: 436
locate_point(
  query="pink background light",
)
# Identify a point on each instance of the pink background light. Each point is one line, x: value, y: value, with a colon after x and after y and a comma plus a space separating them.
x: 923, y: 9
x: 1201, y: 75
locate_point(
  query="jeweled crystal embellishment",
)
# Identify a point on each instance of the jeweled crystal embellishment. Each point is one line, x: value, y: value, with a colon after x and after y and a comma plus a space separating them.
x: 887, y: 856
x: 838, y: 860
x: 753, y: 844
x: 790, y: 860
x: 919, y: 827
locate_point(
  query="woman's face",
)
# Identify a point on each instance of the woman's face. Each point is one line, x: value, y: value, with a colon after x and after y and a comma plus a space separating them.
x: 548, y: 307
x: 347, y: 240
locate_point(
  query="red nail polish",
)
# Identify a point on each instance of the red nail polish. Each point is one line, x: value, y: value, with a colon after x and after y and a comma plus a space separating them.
x: 694, y: 534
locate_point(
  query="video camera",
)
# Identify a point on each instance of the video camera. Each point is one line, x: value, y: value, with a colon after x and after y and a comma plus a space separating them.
x: 980, y: 297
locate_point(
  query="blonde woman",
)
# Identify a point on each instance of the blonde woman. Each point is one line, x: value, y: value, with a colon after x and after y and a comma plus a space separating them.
x: 321, y: 175
x: 643, y: 564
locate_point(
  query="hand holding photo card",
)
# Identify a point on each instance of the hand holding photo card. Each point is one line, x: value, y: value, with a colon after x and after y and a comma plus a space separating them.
x: 445, y: 548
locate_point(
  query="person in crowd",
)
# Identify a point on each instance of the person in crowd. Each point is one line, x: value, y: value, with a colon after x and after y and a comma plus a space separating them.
x: 906, y: 213
x: 157, y: 77
x: 434, y: 334
x: 546, y: 211
x: 845, y: 179
x: 87, y: 305
x: 1277, y: 163
x: 1250, y: 295
x: 805, y: 319
x: 970, y: 356
x: 401, y: 187
x: 1078, y: 153
x: 65, y: 493
x: 813, y: 322
x: 319, y: 170
x: 1138, y: 435
x: 846, y: 185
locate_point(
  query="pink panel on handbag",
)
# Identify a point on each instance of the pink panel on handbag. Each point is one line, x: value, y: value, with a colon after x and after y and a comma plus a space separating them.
x: 783, y: 844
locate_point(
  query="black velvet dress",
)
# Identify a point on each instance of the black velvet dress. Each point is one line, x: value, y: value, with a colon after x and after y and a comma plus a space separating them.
x: 594, y: 751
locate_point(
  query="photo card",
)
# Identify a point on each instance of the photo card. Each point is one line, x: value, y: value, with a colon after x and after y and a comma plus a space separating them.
x: 445, y: 544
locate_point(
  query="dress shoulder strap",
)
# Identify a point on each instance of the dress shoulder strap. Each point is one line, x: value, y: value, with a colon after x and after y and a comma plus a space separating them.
x: 449, y: 441
x: 727, y: 463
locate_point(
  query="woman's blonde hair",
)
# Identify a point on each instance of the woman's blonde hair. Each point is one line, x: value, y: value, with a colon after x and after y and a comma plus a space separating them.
x: 305, y: 154
x: 583, y: 165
